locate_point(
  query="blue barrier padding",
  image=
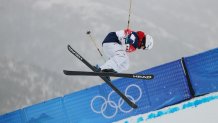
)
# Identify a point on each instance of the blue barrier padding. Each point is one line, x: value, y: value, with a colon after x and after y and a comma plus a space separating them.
x: 169, y: 85
x: 101, y: 104
x: 51, y: 111
x: 77, y: 105
x: 13, y: 117
x: 203, y: 71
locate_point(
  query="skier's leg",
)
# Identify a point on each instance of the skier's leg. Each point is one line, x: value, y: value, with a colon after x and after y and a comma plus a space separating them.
x: 118, y: 59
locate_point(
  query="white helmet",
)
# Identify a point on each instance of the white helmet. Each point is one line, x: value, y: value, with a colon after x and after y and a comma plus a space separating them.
x: 149, y: 42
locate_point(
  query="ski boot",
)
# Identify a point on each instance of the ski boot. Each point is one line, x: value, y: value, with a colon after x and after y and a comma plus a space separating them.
x: 98, y: 69
x: 109, y: 70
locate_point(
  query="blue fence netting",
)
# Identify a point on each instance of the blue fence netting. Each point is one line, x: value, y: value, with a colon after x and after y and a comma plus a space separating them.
x: 101, y: 104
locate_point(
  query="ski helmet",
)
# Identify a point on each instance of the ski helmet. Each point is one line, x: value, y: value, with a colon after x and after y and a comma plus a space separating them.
x: 145, y: 40
x: 141, y: 37
x: 148, y: 42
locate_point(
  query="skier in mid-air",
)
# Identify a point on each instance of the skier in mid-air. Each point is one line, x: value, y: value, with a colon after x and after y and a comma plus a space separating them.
x: 117, y: 44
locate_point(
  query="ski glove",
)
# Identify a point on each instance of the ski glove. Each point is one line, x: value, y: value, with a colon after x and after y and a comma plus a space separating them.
x: 130, y: 48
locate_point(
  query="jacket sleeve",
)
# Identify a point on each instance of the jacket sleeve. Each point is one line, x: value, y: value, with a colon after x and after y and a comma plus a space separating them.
x: 121, y: 36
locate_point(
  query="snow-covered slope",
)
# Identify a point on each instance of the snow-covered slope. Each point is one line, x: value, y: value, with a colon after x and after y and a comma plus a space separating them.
x: 202, y: 109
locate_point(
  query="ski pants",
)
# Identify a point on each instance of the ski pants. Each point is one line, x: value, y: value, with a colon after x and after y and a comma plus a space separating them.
x: 117, y: 57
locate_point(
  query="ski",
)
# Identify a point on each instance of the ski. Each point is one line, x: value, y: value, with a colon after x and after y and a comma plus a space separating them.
x: 105, y: 74
x: 130, y: 103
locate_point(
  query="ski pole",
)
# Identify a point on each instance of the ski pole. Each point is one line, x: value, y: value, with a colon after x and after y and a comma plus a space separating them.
x: 94, y: 42
x: 130, y: 7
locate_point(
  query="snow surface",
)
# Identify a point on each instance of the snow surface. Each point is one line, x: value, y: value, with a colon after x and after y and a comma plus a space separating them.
x: 202, y: 109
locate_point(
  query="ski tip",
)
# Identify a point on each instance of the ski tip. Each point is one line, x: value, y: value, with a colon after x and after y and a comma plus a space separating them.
x: 65, y: 72
x: 151, y: 76
x: 133, y: 105
x: 70, y: 48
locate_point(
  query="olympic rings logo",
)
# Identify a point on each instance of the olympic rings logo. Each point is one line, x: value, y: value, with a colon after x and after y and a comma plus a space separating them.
x: 108, y: 103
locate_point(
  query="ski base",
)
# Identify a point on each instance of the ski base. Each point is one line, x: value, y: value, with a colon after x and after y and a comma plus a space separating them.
x: 111, y: 74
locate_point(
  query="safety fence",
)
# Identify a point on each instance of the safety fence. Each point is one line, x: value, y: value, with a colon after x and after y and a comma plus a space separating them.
x: 174, y: 82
